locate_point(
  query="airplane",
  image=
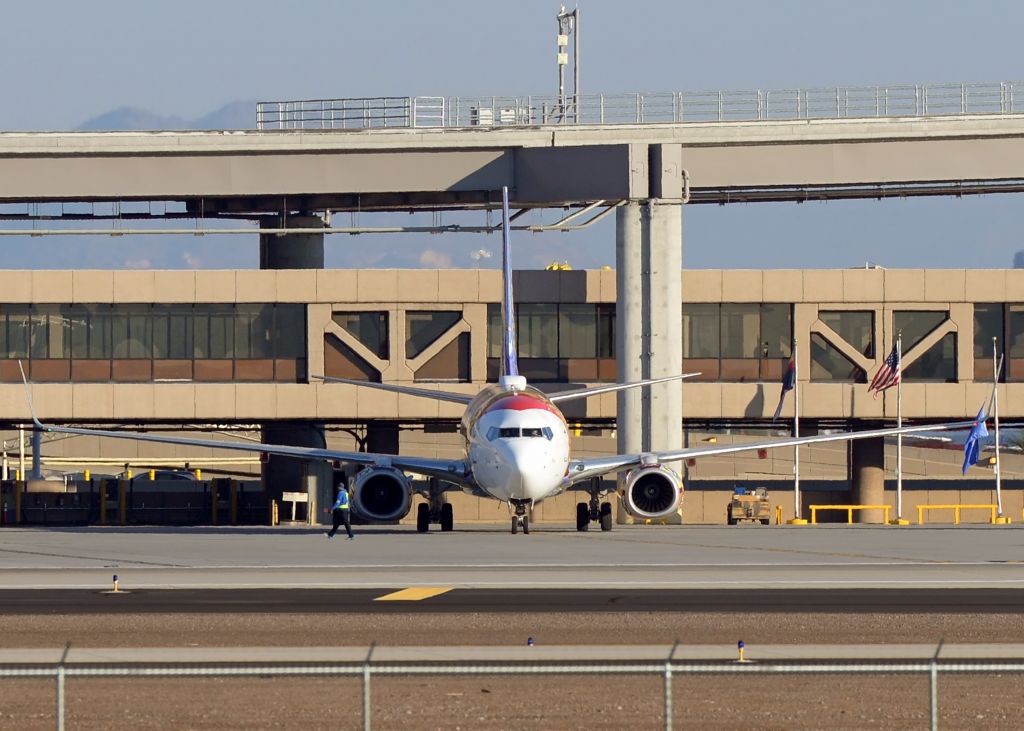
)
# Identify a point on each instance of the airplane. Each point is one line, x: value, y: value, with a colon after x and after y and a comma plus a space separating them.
x: 516, y: 448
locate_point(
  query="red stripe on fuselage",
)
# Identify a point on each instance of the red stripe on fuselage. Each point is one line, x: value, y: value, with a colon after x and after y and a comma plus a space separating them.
x: 524, y: 402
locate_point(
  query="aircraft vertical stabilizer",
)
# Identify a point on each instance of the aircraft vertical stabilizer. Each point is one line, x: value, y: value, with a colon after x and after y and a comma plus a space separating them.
x: 509, y: 362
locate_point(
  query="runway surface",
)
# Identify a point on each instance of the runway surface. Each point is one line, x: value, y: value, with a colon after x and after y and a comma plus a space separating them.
x: 334, y: 601
x: 628, y: 558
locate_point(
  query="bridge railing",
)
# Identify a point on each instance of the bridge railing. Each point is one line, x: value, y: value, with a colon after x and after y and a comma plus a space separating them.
x: 361, y: 113
x: 925, y: 100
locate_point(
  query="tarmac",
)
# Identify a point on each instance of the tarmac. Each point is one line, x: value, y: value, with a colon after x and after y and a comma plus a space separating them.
x: 963, y: 557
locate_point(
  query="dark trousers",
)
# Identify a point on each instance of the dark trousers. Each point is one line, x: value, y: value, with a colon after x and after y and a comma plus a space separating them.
x: 341, y: 516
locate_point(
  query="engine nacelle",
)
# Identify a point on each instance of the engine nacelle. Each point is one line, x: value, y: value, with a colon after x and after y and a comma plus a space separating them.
x: 381, y: 494
x: 652, y: 492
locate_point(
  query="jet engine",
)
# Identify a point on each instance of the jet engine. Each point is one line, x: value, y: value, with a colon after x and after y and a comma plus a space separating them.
x: 381, y: 494
x: 652, y: 491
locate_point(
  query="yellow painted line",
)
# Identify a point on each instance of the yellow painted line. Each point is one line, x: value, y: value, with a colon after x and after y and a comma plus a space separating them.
x: 414, y: 594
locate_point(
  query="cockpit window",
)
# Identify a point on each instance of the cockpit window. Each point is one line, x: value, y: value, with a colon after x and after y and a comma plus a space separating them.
x: 512, y: 432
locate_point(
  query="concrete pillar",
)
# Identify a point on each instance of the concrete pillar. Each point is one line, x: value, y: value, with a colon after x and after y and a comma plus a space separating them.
x: 37, y: 448
x: 664, y: 342
x: 382, y: 437
x: 285, y: 474
x: 629, y: 281
x: 292, y: 251
x: 288, y: 474
x: 867, y: 467
x: 649, y: 244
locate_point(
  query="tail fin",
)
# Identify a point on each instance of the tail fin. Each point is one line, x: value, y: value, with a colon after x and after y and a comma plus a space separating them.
x: 509, y: 361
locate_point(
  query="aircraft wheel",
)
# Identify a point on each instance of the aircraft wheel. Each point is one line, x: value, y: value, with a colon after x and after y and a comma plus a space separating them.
x: 606, y: 517
x: 582, y: 517
x: 447, y: 517
x: 515, y: 525
x: 422, y: 517
x: 526, y: 525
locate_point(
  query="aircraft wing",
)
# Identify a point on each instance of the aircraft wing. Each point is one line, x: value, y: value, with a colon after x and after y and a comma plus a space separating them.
x: 458, y: 398
x: 582, y: 469
x: 446, y: 469
x: 608, y: 388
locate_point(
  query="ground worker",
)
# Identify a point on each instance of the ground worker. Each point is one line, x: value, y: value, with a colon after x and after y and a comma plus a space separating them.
x: 341, y: 512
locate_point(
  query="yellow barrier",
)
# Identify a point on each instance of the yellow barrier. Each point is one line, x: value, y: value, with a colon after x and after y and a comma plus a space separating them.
x: 849, y: 511
x: 956, y: 511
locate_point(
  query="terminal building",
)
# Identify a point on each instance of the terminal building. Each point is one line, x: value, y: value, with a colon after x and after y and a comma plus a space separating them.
x: 237, y: 352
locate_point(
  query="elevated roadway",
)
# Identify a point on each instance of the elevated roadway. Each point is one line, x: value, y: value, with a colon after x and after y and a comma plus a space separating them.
x: 265, y: 173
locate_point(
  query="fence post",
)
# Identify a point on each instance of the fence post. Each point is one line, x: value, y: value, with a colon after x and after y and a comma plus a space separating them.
x: 668, y: 687
x: 933, y: 686
x: 366, y: 688
x: 60, y: 688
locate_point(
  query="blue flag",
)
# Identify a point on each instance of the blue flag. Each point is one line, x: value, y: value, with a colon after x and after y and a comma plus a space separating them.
x: 972, y: 447
x: 788, y: 382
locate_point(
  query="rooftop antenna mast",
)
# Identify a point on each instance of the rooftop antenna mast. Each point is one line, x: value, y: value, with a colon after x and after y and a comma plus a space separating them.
x: 569, y: 22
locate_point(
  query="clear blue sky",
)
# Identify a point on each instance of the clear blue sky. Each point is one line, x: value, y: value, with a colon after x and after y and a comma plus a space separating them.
x: 68, y: 61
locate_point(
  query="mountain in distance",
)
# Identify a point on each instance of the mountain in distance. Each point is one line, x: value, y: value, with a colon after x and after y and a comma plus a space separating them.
x: 234, y: 115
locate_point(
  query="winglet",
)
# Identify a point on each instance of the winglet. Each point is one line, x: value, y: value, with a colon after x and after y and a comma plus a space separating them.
x: 28, y: 397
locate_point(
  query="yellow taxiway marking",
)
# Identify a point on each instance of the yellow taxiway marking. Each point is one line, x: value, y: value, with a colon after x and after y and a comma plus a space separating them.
x: 414, y: 594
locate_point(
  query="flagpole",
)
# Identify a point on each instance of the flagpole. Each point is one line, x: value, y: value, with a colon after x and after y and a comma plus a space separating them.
x: 995, y: 408
x: 797, y: 513
x: 899, y: 425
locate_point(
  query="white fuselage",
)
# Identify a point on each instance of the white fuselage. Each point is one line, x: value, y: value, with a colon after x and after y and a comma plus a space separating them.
x: 517, y: 443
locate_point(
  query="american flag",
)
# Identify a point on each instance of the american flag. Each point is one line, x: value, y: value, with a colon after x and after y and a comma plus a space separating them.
x: 888, y: 375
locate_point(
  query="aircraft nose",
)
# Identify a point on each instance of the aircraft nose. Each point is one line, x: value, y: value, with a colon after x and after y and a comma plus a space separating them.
x: 536, y: 477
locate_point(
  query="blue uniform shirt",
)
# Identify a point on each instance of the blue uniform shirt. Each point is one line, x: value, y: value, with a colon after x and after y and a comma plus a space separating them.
x: 342, y: 502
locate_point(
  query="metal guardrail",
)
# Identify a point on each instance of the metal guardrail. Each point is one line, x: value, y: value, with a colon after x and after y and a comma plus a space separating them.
x: 667, y: 669
x: 840, y: 102
x: 849, y: 511
x: 956, y: 508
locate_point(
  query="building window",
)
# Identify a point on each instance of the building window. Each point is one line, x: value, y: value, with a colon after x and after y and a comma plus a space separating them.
x: 828, y: 363
x: 369, y: 328
x: 737, y: 342
x: 938, y: 363
x: 103, y: 343
x: 423, y: 328
x: 557, y: 342
x: 988, y: 324
x: 857, y: 329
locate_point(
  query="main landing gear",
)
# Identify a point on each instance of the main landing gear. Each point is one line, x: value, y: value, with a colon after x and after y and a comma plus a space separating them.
x: 435, y: 511
x: 595, y: 510
x: 520, y: 519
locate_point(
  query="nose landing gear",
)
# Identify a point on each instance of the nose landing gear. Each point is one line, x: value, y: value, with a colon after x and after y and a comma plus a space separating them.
x: 521, y: 519
x: 594, y: 511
